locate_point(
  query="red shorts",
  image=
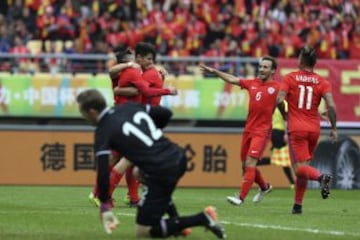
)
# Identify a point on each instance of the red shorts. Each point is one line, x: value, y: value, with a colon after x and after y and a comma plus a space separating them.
x: 302, y: 145
x: 253, y: 144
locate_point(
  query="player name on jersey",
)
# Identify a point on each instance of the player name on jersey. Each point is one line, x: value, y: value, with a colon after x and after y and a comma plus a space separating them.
x: 305, y: 78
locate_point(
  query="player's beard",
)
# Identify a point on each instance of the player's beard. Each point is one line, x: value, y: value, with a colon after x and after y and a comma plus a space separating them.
x: 264, y: 77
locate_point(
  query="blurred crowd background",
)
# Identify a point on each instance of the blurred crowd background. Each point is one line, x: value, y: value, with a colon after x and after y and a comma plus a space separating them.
x: 211, y: 28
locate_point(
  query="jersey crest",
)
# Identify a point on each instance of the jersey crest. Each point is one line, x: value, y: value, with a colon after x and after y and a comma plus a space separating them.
x: 271, y: 90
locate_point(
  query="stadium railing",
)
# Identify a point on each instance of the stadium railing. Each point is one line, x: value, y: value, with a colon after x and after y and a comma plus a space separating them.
x: 99, y: 63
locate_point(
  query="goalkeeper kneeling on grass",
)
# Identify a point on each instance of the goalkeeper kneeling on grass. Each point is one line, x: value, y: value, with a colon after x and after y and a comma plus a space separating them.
x: 134, y: 130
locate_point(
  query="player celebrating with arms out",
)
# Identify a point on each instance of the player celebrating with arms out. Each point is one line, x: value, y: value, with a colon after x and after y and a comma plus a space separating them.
x: 262, y: 94
x: 303, y: 91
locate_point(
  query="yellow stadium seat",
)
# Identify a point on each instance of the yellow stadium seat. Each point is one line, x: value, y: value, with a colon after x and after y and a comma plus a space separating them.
x: 59, y: 46
x: 69, y: 44
x: 34, y: 46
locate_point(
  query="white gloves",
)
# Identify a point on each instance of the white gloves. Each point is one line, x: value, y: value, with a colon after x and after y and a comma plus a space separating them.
x: 108, y: 218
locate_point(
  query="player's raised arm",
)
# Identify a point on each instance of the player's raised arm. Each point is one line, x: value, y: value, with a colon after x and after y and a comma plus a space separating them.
x: 225, y: 76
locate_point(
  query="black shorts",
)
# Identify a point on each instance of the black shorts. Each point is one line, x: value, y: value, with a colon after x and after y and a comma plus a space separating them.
x: 157, y: 194
x: 277, y: 138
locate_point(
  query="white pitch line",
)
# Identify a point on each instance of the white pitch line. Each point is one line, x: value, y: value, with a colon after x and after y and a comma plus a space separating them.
x: 276, y: 227
x: 126, y: 214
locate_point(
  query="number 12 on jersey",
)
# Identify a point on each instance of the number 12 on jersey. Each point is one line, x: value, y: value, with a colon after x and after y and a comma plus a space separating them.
x: 131, y: 129
x: 305, y: 95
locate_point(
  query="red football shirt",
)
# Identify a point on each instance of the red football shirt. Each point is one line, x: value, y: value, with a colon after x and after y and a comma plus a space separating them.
x: 132, y: 77
x: 262, y: 101
x: 127, y: 77
x: 304, y: 92
x: 153, y: 77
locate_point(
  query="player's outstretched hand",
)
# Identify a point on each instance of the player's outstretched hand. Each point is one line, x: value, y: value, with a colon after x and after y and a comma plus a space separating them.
x: 108, y: 218
x: 205, y: 68
x: 173, y: 91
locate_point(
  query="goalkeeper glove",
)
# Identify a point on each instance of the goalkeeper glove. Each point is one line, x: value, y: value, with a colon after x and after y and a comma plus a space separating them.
x: 108, y: 218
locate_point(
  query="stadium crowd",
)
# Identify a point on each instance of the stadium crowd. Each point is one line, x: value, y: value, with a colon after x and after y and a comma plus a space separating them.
x: 213, y: 28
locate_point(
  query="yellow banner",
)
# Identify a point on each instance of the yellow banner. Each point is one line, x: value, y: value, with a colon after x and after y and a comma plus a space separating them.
x: 66, y: 158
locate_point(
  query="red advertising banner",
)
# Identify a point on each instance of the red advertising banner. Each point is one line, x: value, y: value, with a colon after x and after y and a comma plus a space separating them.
x: 345, y: 79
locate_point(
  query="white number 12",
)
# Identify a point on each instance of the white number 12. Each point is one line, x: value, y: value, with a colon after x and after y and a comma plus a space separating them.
x: 309, y: 94
x: 129, y: 128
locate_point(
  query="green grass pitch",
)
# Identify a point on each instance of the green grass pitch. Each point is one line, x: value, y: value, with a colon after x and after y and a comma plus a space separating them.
x: 36, y: 213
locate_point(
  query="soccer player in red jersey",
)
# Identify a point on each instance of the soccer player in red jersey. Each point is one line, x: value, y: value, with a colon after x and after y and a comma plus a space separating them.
x: 303, y: 90
x: 262, y: 98
x: 132, y: 77
x: 145, y: 57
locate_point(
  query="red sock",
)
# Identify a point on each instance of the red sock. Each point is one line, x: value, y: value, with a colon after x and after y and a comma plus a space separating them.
x: 133, y: 185
x: 115, y: 178
x: 300, y: 188
x: 248, y: 181
x: 308, y: 172
x: 259, y: 179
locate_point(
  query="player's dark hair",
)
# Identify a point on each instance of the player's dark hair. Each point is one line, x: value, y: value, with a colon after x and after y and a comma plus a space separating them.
x: 272, y: 60
x: 121, y: 52
x: 307, y: 56
x: 91, y: 99
x: 144, y: 48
